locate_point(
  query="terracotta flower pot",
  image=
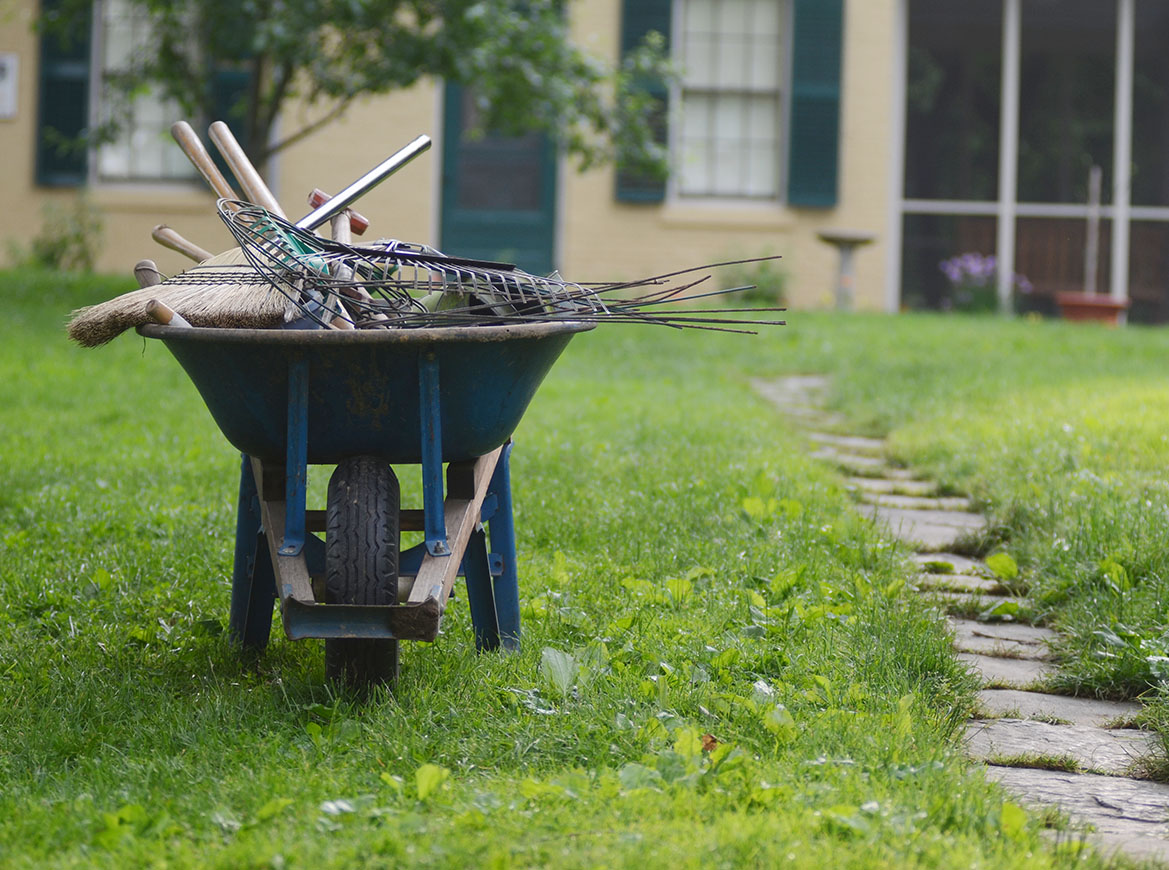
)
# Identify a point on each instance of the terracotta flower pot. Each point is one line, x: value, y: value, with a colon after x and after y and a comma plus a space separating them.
x: 1097, y: 307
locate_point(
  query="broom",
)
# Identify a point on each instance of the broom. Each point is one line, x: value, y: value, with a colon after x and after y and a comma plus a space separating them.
x: 247, y: 301
x: 222, y: 291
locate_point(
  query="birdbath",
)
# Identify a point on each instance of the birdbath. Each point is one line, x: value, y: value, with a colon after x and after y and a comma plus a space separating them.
x: 846, y: 242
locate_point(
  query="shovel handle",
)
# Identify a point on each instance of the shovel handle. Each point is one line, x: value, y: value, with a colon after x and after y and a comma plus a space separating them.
x: 245, y: 173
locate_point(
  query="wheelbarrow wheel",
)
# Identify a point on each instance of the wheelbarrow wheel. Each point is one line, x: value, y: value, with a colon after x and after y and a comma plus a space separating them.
x: 361, y: 564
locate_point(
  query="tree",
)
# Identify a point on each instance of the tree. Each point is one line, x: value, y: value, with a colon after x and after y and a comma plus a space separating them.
x: 517, y: 55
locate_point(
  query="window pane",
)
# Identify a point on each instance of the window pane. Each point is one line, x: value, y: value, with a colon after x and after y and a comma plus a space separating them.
x: 700, y: 70
x: 730, y: 145
x: 1148, y: 271
x: 1050, y: 252
x: 952, y: 99
x: 1067, y: 93
x: 927, y: 241
x: 497, y: 172
x: 1150, y: 121
x: 734, y: 17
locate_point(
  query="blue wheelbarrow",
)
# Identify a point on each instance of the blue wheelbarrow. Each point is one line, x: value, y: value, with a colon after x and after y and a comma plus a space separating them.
x: 363, y: 400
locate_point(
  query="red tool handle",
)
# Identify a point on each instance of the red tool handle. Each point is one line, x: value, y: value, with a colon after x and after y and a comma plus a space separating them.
x: 358, y: 223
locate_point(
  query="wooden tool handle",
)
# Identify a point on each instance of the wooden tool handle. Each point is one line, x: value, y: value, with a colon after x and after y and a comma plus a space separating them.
x: 168, y: 238
x: 245, y: 173
x: 189, y: 141
x: 358, y: 222
x: 162, y: 313
x: 341, y: 227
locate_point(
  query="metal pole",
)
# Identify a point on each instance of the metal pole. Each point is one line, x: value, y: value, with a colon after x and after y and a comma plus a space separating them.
x: 896, y: 171
x: 366, y: 183
x: 1008, y: 152
x: 1122, y: 154
x: 1092, y: 243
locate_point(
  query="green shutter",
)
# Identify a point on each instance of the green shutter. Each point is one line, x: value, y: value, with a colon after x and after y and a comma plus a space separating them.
x: 229, y: 93
x: 63, y: 101
x: 813, y: 144
x: 638, y: 18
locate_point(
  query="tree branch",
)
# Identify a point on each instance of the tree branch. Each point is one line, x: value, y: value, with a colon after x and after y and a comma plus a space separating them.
x: 333, y: 114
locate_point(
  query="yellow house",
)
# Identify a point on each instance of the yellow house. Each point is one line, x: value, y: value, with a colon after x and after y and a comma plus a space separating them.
x: 1035, y: 130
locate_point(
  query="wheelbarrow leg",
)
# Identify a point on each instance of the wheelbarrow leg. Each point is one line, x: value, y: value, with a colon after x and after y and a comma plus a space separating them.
x: 507, y: 585
x: 253, y: 583
x: 480, y: 595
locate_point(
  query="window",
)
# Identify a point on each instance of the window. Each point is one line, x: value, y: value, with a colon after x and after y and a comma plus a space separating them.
x: 142, y: 149
x: 730, y: 101
x: 757, y: 114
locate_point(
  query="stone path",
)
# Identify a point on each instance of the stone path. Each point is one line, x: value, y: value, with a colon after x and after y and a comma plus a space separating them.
x: 1078, y: 754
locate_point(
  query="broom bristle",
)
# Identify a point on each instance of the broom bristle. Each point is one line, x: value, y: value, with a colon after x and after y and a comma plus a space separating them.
x: 223, y: 291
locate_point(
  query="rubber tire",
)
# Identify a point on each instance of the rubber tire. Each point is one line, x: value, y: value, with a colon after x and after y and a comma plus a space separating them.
x: 361, y: 565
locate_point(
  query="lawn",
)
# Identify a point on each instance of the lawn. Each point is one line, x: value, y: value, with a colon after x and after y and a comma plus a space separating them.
x: 722, y: 666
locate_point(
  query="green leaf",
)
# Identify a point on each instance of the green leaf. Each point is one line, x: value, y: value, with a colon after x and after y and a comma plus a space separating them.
x: 1116, y: 576
x: 791, y: 508
x: 1003, y: 566
x: 688, y: 742
x: 620, y: 624
x: 272, y: 808
x: 633, y: 776
x: 780, y: 722
x: 558, y: 669
x: 784, y: 583
x: 428, y: 778
x: 726, y: 658
x: 1002, y: 610
x: 534, y: 788
x: 679, y: 588
x: 394, y: 782
x: 315, y: 733
x: 1013, y: 820
x: 757, y: 509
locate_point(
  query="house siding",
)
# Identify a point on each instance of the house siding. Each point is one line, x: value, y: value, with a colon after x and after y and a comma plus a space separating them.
x: 599, y: 237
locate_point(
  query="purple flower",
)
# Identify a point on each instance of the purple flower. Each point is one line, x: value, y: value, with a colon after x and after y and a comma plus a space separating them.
x: 977, y: 270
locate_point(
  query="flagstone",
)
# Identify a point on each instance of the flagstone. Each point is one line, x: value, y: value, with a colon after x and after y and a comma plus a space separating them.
x: 929, y: 530
x: 1036, y: 705
x: 961, y: 564
x: 998, y: 672
x: 961, y: 583
x: 892, y: 487
x: 1100, y: 750
x: 1011, y: 639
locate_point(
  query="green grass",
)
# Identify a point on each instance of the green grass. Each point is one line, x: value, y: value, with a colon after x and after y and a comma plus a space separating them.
x: 721, y: 665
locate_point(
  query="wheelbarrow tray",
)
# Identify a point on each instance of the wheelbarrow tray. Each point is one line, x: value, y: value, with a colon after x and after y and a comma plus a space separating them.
x: 363, y: 385
x: 287, y: 399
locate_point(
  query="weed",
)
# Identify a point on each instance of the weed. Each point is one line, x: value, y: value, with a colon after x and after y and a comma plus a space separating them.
x: 68, y: 240
x: 764, y: 282
x: 1037, y: 761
